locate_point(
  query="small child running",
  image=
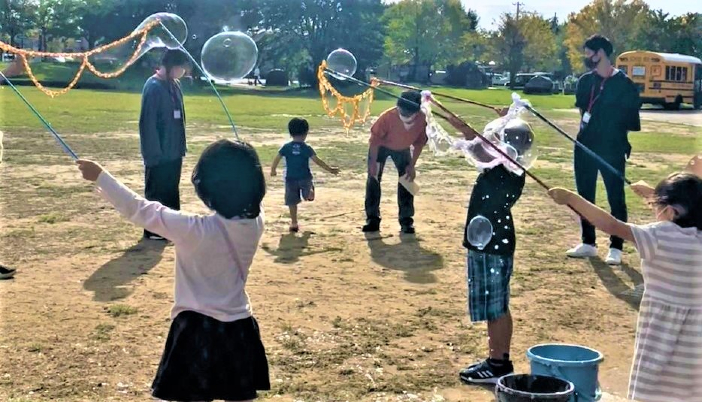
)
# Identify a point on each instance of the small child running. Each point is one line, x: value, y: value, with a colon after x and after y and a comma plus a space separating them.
x: 298, y: 176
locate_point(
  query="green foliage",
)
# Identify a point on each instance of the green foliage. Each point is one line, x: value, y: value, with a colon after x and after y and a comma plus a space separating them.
x: 428, y: 32
x: 303, y: 33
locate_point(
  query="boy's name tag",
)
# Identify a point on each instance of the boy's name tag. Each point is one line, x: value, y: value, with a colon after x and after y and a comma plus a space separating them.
x: 586, y: 117
x: 177, y: 115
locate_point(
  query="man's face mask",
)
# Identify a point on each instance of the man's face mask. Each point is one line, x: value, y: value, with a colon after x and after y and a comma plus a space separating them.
x: 592, y: 61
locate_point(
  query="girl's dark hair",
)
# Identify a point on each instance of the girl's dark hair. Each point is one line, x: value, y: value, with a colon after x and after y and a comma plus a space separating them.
x: 228, y: 178
x: 174, y: 58
x: 683, y: 192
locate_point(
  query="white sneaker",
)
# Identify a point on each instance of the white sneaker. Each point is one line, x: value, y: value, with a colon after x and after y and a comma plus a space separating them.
x: 582, y: 251
x: 614, y: 257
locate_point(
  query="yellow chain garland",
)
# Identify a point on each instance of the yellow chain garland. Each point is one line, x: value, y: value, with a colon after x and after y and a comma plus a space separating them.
x: 348, y: 119
x: 84, y: 56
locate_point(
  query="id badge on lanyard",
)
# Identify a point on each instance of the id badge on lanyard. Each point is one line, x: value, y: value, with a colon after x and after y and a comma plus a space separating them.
x: 587, y: 116
x: 177, y: 112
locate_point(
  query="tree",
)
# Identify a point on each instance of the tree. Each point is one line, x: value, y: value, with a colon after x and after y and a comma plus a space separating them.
x: 540, y: 50
x: 689, y: 40
x: 508, y: 44
x: 55, y: 18
x: 428, y: 32
x: 618, y: 20
x: 304, y: 32
x: 14, y: 18
x: 659, y: 32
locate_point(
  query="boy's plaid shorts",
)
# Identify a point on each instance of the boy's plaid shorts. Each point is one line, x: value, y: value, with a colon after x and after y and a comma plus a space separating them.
x: 488, y: 285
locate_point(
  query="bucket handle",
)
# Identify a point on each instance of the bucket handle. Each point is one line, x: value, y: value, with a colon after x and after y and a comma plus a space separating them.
x: 556, y: 372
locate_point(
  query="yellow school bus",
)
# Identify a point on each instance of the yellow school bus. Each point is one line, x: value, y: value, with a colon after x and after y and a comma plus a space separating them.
x: 664, y: 78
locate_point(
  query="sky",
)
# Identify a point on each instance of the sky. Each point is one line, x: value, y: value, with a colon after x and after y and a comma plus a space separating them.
x: 490, y: 10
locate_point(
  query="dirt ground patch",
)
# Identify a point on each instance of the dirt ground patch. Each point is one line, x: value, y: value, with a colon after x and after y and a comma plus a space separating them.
x: 343, y: 317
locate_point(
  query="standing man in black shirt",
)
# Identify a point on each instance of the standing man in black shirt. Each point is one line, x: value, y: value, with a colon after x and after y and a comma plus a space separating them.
x: 609, y: 108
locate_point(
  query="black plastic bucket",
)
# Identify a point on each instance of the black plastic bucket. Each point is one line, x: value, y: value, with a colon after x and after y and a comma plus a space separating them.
x: 533, y: 388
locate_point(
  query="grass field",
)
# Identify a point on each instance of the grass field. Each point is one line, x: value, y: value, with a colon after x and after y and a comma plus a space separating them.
x: 343, y: 317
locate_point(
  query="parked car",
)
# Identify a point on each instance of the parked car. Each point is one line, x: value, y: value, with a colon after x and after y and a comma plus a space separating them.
x: 439, y: 77
x: 520, y: 80
x: 540, y: 84
x: 499, y: 80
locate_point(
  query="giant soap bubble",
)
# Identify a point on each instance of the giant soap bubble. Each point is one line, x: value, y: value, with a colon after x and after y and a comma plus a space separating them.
x: 518, y: 134
x: 229, y: 56
x: 157, y: 37
x: 342, y: 61
x: 479, y: 232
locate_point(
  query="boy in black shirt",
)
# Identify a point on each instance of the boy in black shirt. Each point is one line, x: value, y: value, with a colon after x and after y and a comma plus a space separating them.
x: 489, y: 269
x: 609, y: 106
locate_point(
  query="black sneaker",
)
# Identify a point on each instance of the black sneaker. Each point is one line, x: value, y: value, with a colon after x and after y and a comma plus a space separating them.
x: 155, y: 237
x: 371, y: 226
x: 407, y: 229
x: 6, y: 273
x: 486, y: 372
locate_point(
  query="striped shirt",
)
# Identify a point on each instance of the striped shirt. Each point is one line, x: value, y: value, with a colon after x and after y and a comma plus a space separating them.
x: 667, y: 362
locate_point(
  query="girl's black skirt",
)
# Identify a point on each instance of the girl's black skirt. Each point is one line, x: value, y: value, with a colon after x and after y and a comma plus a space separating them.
x: 206, y: 359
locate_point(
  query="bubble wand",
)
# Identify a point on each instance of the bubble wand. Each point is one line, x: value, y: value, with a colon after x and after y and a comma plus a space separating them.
x: 485, y: 140
x: 204, y: 74
x: 533, y: 111
x: 53, y: 132
x: 496, y: 110
x: 577, y: 143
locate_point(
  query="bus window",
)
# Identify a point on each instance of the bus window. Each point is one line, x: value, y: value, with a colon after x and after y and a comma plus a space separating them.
x: 624, y: 69
x: 684, y: 74
x: 639, y: 71
x: 668, y: 73
x: 678, y: 74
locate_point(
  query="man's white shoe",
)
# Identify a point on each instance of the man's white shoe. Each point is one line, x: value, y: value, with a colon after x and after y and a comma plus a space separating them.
x: 582, y: 251
x: 614, y: 257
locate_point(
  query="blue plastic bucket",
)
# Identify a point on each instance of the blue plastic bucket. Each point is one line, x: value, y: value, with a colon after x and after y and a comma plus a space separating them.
x: 573, y: 363
x: 533, y: 388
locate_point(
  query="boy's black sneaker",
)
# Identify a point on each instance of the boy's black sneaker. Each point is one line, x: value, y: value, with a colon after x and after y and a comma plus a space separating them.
x: 371, y: 226
x: 407, y: 229
x: 486, y: 372
x: 6, y: 273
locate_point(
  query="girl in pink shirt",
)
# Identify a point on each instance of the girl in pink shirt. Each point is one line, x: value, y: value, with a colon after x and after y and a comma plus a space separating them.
x: 214, y: 348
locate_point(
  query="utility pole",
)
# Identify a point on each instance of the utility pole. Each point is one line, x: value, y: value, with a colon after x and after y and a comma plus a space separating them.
x: 518, y: 4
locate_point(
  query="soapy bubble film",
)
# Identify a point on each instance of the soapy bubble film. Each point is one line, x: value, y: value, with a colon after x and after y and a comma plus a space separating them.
x: 229, y: 56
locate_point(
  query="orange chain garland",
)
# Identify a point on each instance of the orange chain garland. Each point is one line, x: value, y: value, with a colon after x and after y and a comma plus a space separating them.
x: 348, y: 118
x: 84, y: 56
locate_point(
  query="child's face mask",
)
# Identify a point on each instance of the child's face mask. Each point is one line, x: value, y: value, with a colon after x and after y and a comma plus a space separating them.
x: 666, y: 213
x: 177, y: 72
x: 408, y: 121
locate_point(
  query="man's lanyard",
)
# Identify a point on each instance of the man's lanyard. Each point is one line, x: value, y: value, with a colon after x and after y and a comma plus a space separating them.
x: 173, y: 91
x: 593, y: 98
